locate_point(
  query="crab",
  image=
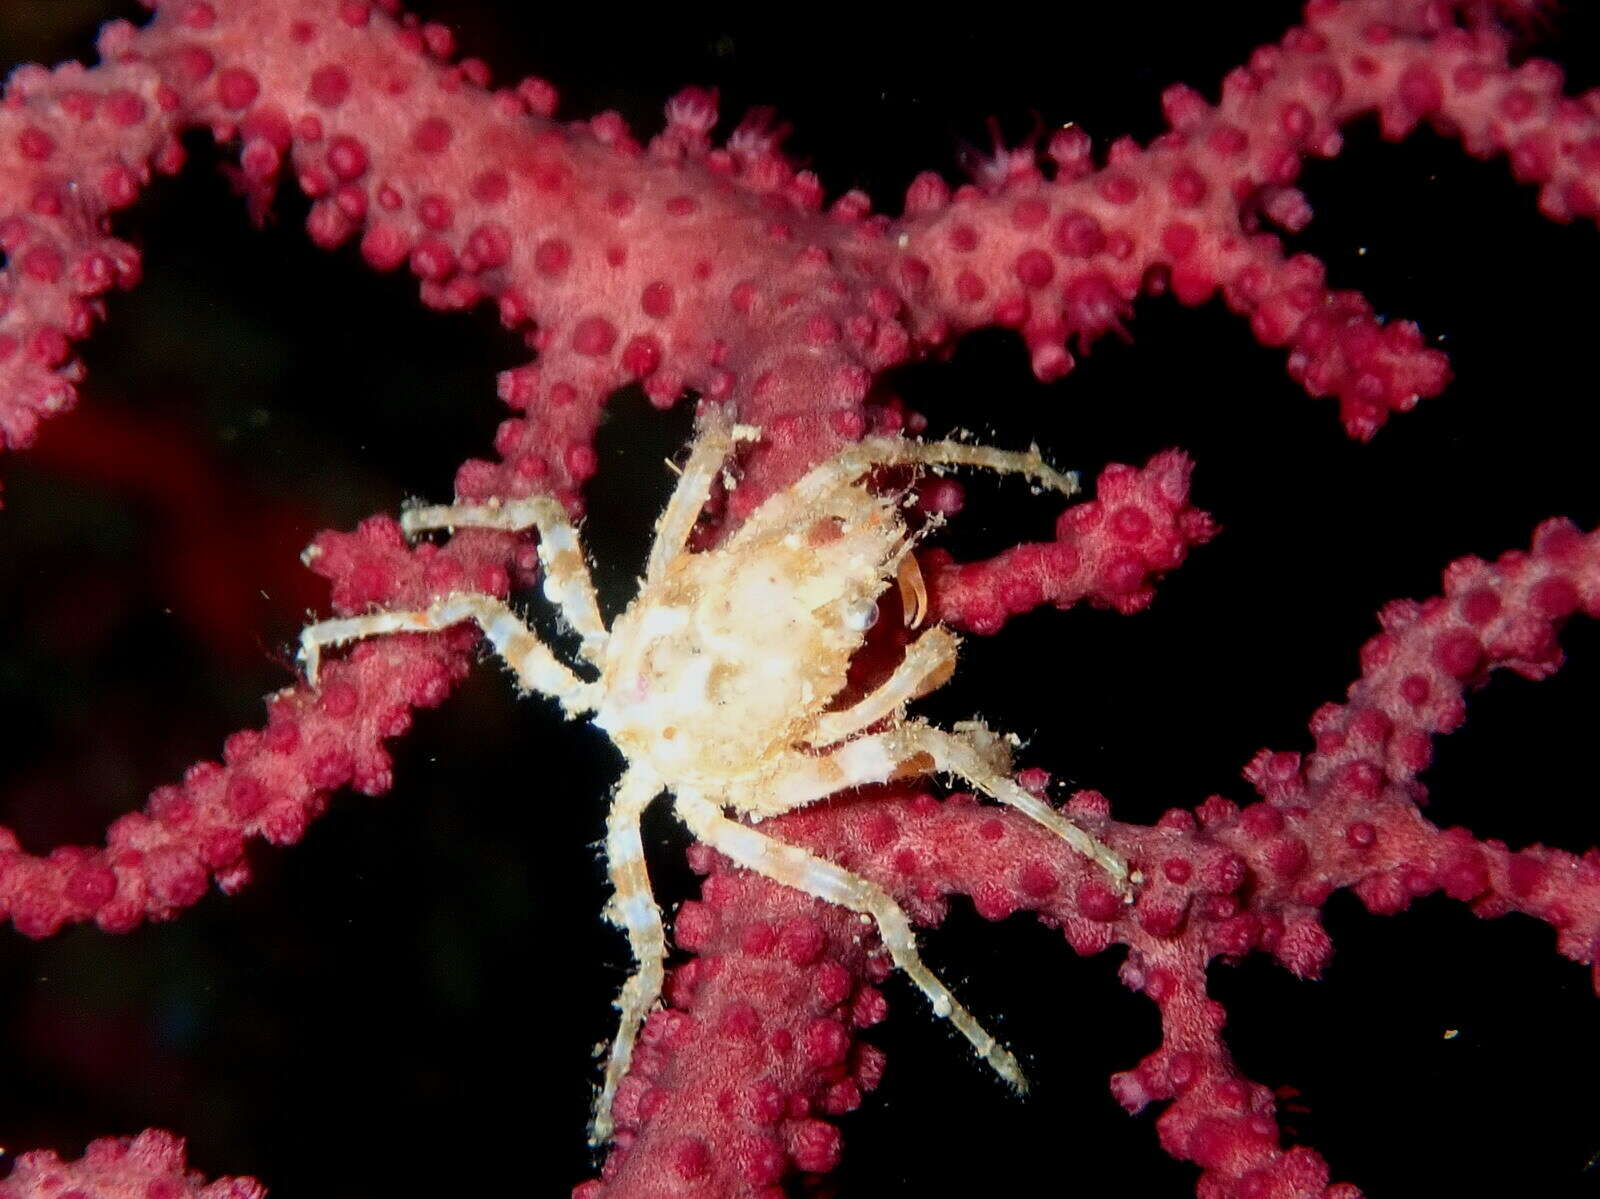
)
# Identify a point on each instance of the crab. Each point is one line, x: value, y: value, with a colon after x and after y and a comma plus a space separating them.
x: 722, y: 684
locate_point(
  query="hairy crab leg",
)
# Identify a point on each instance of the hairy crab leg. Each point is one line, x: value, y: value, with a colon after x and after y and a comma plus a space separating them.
x: 917, y: 748
x: 796, y: 868
x: 567, y: 583
x: 712, y: 445
x: 633, y: 908
x: 536, y: 667
x: 928, y: 662
x: 795, y: 506
x: 958, y: 755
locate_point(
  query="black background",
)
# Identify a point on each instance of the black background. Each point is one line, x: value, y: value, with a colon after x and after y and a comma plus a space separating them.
x: 409, y: 998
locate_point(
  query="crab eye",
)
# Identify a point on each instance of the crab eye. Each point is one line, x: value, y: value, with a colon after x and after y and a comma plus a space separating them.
x: 862, y: 616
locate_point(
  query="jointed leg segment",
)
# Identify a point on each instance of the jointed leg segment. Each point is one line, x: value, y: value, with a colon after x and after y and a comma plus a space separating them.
x: 566, y: 583
x: 956, y: 755
x: 794, y: 867
x: 927, y: 663
x: 711, y: 449
x: 536, y: 668
x: 918, y: 748
x: 787, y: 508
x: 633, y: 907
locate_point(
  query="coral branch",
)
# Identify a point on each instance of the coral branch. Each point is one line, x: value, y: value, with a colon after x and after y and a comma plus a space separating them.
x: 758, y: 1041
x: 147, y: 1165
x: 274, y: 781
x: 606, y: 243
x: 1108, y: 551
x: 1065, y: 259
x: 75, y: 146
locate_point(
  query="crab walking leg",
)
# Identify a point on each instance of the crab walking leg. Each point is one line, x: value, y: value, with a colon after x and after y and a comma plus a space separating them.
x: 927, y: 663
x: 916, y: 748
x: 892, y: 451
x: 567, y: 583
x: 536, y: 668
x: 712, y: 446
x: 957, y: 755
x: 633, y: 907
x: 791, y: 507
x: 823, y: 880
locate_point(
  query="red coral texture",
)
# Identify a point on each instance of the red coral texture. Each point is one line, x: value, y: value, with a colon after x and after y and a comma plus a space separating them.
x: 683, y: 261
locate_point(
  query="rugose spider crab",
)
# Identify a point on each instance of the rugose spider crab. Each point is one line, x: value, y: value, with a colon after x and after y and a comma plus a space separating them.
x: 719, y: 683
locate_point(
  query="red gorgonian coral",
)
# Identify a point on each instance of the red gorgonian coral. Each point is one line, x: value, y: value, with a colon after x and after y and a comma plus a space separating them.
x: 688, y: 264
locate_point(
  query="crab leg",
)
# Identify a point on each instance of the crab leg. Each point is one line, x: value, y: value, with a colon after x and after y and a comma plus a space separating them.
x: 795, y: 506
x: 633, y: 908
x: 917, y: 748
x: 823, y: 880
x: 928, y: 662
x: 958, y: 755
x: 712, y: 446
x: 536, y: 668
x: 567, y: 583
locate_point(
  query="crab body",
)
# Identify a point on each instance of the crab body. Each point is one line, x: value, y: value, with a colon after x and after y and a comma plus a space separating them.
x: 715, y: 672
